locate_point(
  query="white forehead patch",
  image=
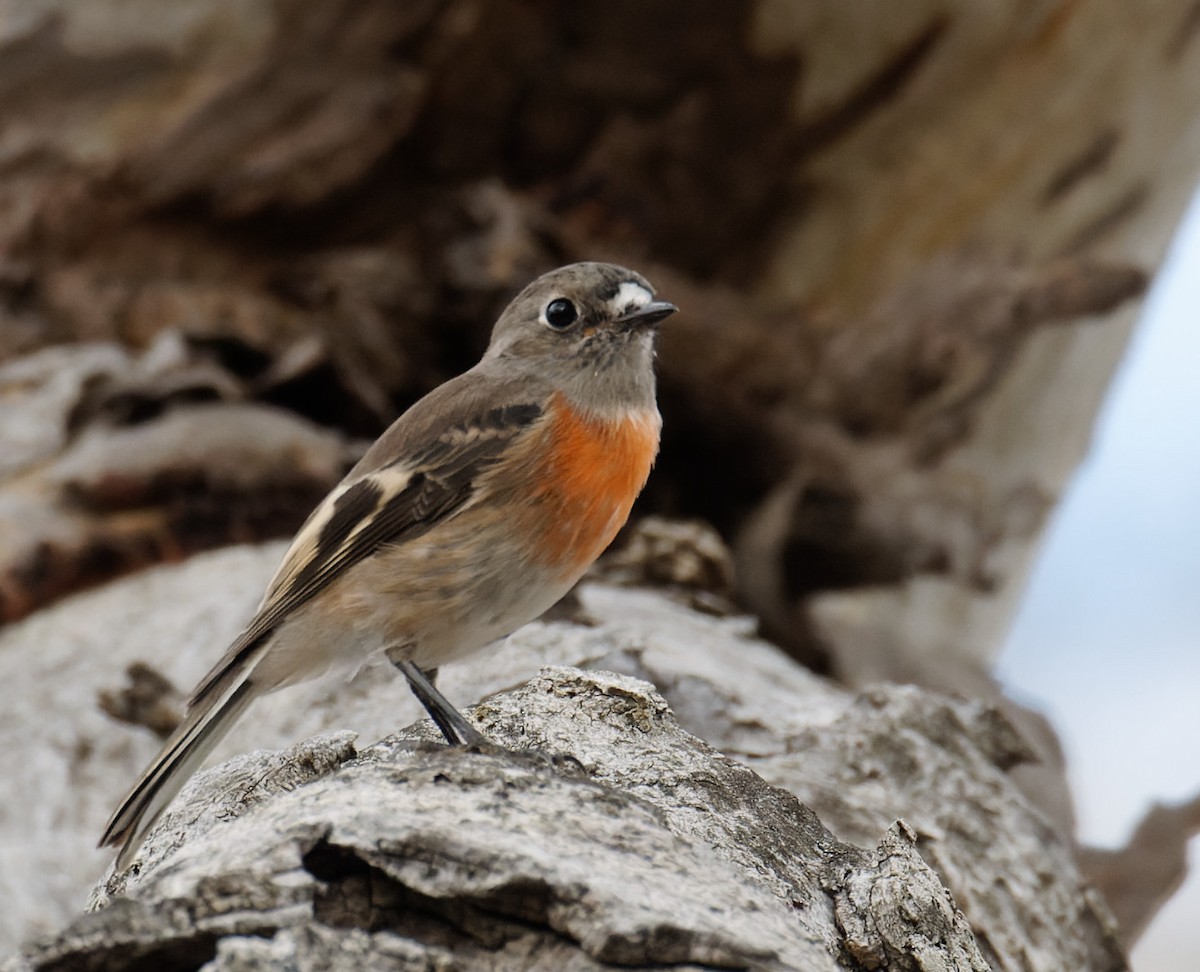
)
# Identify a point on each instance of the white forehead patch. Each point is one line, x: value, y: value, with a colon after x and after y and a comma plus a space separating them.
x: 630, y: 297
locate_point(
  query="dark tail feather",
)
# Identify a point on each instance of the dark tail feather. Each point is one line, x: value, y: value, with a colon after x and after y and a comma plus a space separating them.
x: 208, y: 720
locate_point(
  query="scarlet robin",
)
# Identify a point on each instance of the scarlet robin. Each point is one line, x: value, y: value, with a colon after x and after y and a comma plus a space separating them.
x: 471, y: 515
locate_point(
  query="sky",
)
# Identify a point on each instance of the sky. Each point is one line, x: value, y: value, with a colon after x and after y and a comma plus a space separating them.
x: 1108, y: 637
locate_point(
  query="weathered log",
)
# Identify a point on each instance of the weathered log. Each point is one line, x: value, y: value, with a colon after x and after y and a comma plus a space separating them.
x: 909, y: 247
x: 602, y: 742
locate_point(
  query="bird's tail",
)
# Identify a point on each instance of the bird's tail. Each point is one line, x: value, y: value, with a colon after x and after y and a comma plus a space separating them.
x: 209, y: 718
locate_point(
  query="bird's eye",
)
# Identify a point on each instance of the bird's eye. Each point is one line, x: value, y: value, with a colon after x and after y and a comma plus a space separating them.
x: 561, y: 314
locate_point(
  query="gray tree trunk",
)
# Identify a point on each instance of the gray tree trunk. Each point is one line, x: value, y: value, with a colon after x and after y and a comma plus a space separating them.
x: 605, y: 831
x: 909, y: 241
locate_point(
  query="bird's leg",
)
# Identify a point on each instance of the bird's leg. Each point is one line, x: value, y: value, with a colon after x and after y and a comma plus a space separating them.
x: 454, y: 725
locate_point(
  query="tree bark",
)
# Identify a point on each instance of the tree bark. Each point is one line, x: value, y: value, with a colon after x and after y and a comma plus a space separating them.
x: 886, y: 229
x: 909, y: 242
x: 604, y: 831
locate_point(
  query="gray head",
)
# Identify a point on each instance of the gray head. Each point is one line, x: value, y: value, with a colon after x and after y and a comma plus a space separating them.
x: 588, y: 329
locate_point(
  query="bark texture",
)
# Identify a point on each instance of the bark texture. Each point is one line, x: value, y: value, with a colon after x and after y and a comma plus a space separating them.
x: 606, y: 852
x: 887, y: 230
x: 612, y: 833
x: 238, y: 236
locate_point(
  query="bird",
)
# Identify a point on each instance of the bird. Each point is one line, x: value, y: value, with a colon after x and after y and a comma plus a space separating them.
x: 473, y: 513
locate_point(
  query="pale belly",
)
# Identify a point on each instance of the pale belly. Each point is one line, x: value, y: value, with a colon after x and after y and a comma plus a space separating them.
x: 443, y: 597
x: 485, y: 571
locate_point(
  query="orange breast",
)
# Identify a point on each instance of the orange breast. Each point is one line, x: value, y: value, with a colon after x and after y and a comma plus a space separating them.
x: 588, y: 475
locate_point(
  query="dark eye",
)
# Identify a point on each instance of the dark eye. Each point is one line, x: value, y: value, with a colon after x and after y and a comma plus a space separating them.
x: 561, y: 314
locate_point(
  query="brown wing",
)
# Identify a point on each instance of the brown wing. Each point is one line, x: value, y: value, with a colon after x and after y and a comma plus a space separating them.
x: 423, y: 470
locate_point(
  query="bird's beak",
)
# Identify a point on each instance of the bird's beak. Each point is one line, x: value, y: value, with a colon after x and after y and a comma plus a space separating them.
x: 652, y: 313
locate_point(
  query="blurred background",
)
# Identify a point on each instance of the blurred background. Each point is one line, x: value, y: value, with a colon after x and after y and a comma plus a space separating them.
x: 911, y: 243
x: 1110, y: 621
